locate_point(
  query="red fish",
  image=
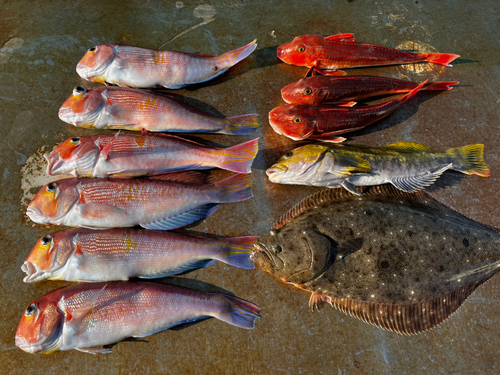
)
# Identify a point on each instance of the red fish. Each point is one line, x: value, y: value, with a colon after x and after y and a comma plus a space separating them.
x: 84, y: 316
x: 130, y: 155
x: 323, y: 89
x: 146, y: 68
x: 175, y: 200
x: 120, y: 108
x: 325, y: 123
x: 120, y: 254
x: 328, y: 55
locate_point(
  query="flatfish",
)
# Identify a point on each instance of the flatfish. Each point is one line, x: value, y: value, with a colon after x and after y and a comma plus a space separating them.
x: 401, y: 261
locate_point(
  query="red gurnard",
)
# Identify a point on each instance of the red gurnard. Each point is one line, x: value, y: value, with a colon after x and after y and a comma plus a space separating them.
x: 325, y: 122
x: 171, y: 202
x: 119, y: 254
x: 323, y: 89
x: 328, y: 55
x: 146, y: 68
x: 119, y: 108
x: 129, y: 155
x: 84, y: 316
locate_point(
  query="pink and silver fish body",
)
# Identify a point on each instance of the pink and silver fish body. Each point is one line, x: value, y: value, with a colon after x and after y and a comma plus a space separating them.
x: 171, y: 202
x: 84, y: 316
x: 131, y: 109
x: 130, y: 155
x: 146, y: 68
x: 120, y: 254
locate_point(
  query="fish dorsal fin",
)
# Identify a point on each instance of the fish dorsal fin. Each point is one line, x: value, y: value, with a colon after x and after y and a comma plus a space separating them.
x: 186, y: 176
x: 406, y: 319
x: 419, y: 197
x: 407, y: 147
x: 414, y: 183
x: 340, y: 38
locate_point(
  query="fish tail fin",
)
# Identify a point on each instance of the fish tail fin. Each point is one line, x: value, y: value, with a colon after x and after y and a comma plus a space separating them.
x: 469, y: 160
x: 439, y: 58
x: 439, y: 85
x: 412, y: 92
x: 238, y: 312
x: 228, y: 59
x: 235, y: 188
x: 238, y: 252
x: 242, y: 124
x: 239, y: 158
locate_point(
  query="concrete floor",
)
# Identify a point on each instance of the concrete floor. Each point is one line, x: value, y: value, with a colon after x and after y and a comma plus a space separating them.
x: 40, y: 44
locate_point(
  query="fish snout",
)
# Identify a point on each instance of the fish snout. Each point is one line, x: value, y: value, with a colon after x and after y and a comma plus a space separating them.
x: 274, y: 172
x: 37, y: 215
x: 54, y: 162
x: 66, y: 114
x: 32, y: 272
x: 83, y: 71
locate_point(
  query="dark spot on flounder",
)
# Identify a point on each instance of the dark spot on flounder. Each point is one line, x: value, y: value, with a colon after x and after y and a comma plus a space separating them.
x: 384, y: 264
x: 465, y: 241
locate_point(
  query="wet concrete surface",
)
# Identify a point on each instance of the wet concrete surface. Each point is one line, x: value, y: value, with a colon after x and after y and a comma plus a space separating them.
x: 40, y: 44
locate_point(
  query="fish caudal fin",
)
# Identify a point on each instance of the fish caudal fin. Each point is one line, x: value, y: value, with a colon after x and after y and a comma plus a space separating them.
x: 239, y: 158
x: 241, y: 125
x: 238, y: 312
x: 439, y: 58
x: 405, y: 98
x: 439, y: 85
x: 238, y: 251
x: 235, y: 188
x: 231, y: 58
x: 469, y: 160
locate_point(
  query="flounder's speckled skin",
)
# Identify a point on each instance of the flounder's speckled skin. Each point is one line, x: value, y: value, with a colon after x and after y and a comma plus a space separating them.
x: 403, y: 262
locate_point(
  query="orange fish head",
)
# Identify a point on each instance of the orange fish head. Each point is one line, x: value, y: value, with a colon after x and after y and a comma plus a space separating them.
x: 49, y: 257
x: 53, y: 201
x: 289, y: 120
x: 83, y: 107
x: 76, y: 156
x: 95, y: 62
x: 40, y: 328
x: 301, y: 50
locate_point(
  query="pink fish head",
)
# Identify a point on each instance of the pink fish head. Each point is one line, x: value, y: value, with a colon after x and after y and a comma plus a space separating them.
x: 302, y: 50
x: 40, y: 328
x: 49, y: 257
x: 96, y: 61
x: 83, y: 107
x: 76, y: 156
x: 292, y: 121
x: 53, y: 201
x: 302, y: 91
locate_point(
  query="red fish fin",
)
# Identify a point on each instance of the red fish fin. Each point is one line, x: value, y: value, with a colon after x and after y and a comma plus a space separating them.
x: 412, y: 92
x: 340, y: 38
x: 469, y: 160
x: 318, y: 300
x: 106, y: 149
x: 145, y: 132
x: 329, y: 137
x: 327, y: 72
x: 439, y: 58
x: 191, y: 177
x: 440, y: 85
x: 237, y: 312
x: 344, y: 104
x: 235, y: 188
x: 239, y: 158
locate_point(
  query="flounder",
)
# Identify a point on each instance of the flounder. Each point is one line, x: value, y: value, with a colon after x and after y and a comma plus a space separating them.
x: 401, y: 261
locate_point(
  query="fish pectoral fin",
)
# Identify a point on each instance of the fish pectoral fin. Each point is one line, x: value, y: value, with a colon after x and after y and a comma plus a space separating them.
x: 100, y: 211
x: 407, y: 147
x: 340, y: 38
x: 351, y: 188
x: 318, y: 300
x: 95, y: 350
x: 122, y: 63
x: 76, y: 318
x: 329, y: 137
x: 347, y: 164
x: 106, y: 149
x: 182, y: 219
x: 406, y: 318
x: 330, y: 72
x: 414, y: 183
x: 182, y: 269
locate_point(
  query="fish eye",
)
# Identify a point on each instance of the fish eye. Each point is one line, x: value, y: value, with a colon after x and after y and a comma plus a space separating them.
x: 51, y: 187
x: 297, y: 120
x: 46, y: 240
x: 288, y: 154
x: 277, y: 249
x: 30, y: 310
x: 92, y: 49
x: 301, y: 49
x: 75, y: 140
x: 79, y: 89
x: 307, y: 92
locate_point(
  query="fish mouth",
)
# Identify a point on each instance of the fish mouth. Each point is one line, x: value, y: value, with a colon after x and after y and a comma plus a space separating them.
x: 54, y: 162
x: 66, y: 114
x: 33, y: 273
x: 37, y: 215
x: 274, y: 172
x: 83, y: 71
x: 261, y: 251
